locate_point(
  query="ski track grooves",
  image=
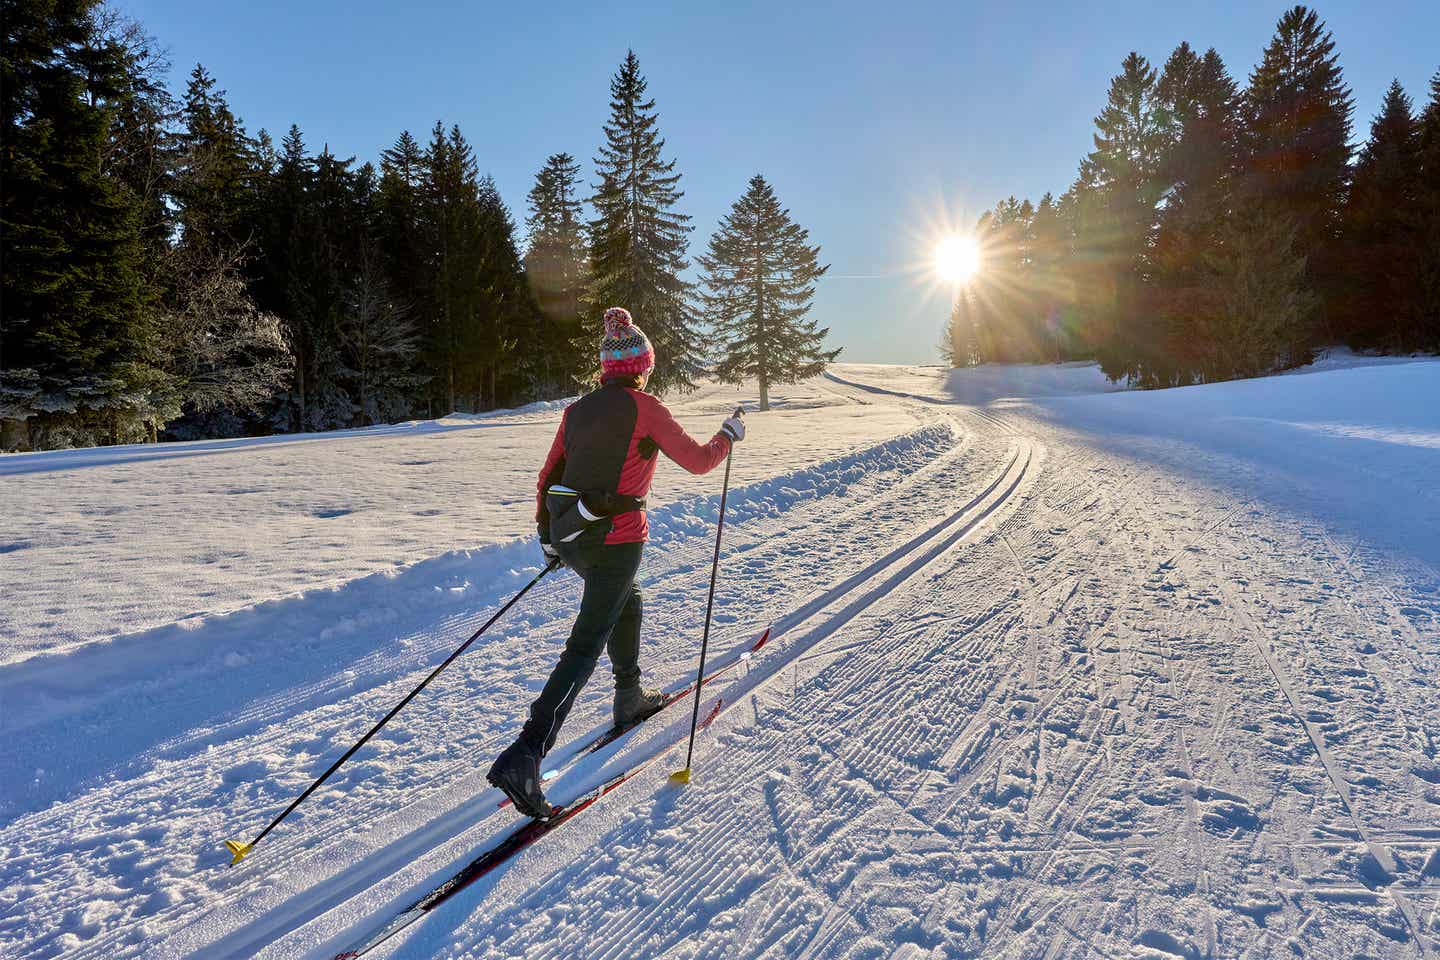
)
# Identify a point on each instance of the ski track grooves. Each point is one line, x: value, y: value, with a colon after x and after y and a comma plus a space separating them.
x: 919, y: 551
x: 310, y: 903
x: 456, y: 819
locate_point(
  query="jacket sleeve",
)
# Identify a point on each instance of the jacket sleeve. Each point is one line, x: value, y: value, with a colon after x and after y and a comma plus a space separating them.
x: 550, y: 474
x: 679, y: 446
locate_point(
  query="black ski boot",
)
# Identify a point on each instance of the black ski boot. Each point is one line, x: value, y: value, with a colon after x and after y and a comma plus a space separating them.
x: 633, y: 704
x: 517, y: 772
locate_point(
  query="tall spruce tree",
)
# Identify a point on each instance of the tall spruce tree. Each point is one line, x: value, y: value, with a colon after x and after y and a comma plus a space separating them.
x: 1050, y: 293
x: 1199, y: 172
x: 1381, y: 242
x: 400, y: 239
x: 760, y: 273
x: 1116, y: 199
x: 637, y: 240
x: 1426, y: 224
x: 323, y: 253
x: 507, y: 314
x: 556, y: 265
x: 215, y: 184
x: 76, y: 337
x: 450, y: 212
x: 1297, y: 130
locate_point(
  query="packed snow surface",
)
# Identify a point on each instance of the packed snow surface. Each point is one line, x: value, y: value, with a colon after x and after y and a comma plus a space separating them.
x: 1056, y: 671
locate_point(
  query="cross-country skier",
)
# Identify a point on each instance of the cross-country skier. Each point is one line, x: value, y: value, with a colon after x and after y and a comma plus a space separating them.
x: 591, y: 514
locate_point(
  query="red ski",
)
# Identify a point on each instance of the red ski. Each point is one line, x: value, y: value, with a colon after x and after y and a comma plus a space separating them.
x: 532, y: 830
x: 603, y: 740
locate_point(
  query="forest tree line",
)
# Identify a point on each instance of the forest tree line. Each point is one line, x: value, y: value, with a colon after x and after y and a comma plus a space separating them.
x: 1217, y: 232
x: 169, y: 275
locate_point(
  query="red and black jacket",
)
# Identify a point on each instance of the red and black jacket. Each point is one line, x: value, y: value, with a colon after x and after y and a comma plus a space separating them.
x: 607, y: 442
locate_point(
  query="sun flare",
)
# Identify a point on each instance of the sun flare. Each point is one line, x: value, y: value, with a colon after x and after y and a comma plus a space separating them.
x: 957, y: 258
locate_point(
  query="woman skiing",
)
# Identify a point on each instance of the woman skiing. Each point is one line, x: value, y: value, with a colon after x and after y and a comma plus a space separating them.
x: 591, y: 514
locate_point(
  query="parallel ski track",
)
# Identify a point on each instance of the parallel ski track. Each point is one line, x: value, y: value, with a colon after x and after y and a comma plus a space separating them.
x: 901, y: 564
x: 313, y: 841
x: 986, y: 629
x: 329, y: 893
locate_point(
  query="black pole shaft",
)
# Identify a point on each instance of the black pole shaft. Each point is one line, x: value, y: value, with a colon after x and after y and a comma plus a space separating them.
x: 709, y: 606
x: 408, y: 697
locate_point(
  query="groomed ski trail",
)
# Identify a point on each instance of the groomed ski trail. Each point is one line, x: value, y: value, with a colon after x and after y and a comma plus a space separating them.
x: 895, y: 569
x: 432, y: 818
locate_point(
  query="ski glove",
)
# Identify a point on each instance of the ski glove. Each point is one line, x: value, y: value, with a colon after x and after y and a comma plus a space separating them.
x: 546, y: 547
x: 734, y: 428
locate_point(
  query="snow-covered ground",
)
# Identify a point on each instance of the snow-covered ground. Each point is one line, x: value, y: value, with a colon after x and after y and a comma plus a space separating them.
x: 1056, y: 672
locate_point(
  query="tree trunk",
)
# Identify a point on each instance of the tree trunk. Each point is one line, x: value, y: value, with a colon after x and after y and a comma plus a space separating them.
x: 300, y: 388
x: 14, y: 435
x: 764, y: 392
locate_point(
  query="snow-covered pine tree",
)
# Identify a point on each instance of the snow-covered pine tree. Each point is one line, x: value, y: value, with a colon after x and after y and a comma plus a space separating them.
x: 760, y: 273
x: 555, y: 266
x: 637, y: 241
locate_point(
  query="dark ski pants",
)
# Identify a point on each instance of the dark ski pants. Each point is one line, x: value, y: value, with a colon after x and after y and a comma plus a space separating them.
x: 610, y: 611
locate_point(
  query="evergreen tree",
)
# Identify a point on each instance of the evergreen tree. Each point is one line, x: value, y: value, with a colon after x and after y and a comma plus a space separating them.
x: 960, y: 346
x: 638, y: 241
x: 760, y: 272
x: 1297, y: 131
x: 1381, y: 243
x: 450, y: 219
x: 141, y: 153
x: 555, y: 265
x: 1115, y: 201
x: 1426, y: 224
x: 1199, y: 171
x: 215, y: 178
x: 76, y: 337
x: 507, y: 314
x: 400, y: 236
x: 1048, y: 284
x: 323, y: 253
x: 1252, y: 294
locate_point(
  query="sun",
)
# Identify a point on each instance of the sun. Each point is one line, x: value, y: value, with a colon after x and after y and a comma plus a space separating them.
x: 957, y: 258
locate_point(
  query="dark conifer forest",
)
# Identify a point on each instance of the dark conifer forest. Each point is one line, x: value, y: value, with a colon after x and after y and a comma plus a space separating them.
x: 1219, y: 230
x: 168, y: 274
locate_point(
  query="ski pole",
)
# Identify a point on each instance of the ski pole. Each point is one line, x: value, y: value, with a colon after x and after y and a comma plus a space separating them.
x: 239, y: 850
x: 683, y: 776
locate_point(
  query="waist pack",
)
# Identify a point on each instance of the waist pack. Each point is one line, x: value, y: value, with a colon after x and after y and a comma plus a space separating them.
x: 572, y: 512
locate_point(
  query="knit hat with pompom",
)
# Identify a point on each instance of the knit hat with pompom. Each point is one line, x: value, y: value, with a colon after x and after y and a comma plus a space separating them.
x: 625, y: 349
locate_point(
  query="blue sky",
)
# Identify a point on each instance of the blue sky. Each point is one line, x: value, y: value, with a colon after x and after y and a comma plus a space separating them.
x: 875, y: 122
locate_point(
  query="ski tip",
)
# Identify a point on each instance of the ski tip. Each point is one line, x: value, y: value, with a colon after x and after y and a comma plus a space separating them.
x: 237, y: 850
x: 680, y: 776
x: 764, y: 639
